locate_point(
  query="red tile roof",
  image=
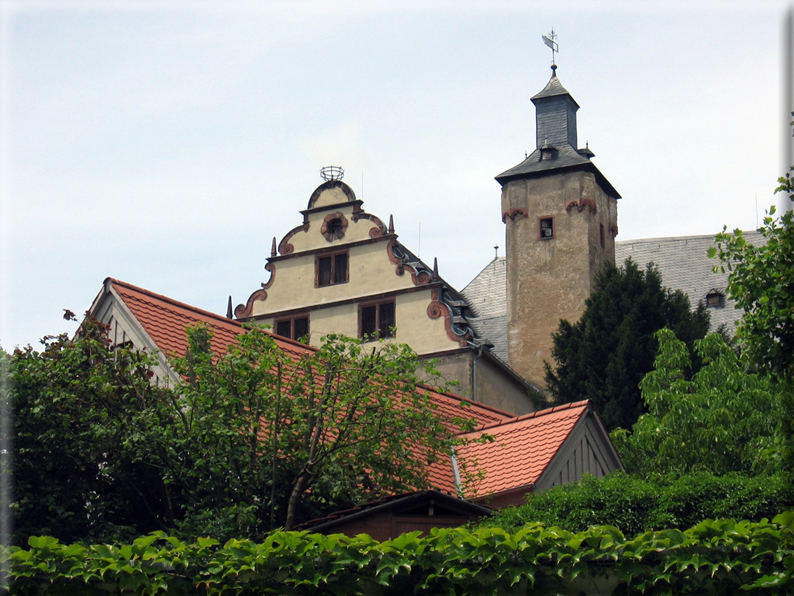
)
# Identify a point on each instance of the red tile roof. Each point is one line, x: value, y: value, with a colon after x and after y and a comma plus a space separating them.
x: 165, y: 320
x: 522, y: 447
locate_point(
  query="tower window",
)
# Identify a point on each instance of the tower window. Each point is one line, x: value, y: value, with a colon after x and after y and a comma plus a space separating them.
x: 331, y: 270
x: 546, y: 228
x: 377, y: 320
x: 296, y: 328
x: 601, y: 233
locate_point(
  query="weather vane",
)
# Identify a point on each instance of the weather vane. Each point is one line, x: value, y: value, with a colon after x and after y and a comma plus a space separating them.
x: 549, y: 40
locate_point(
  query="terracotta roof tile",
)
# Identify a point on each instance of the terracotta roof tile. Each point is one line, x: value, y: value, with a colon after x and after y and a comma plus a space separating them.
x: 165, y: 320
x: 522, y: 447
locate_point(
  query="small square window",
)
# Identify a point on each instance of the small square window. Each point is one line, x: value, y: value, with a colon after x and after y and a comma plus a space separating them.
x: 546, y: 228
x: 331, y: 270
x: 377, y: 320
x: 296, y: 328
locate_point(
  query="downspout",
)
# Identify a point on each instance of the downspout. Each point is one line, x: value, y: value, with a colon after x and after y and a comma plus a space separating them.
x: 474, y: 392
x: 455, y: 472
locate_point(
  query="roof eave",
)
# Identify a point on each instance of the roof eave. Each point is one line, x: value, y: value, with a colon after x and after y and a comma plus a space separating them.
x: 504, y: 177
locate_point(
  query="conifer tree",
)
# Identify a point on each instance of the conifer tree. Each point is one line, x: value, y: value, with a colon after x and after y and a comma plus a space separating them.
x: 604, y: 356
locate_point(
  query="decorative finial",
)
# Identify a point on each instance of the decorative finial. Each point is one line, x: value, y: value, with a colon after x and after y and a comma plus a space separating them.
x: 273, y: 248
x: 229, y: 314
x: 550, y: 41
x: 496, y: 251
x: 391, y: 224
x: 329, y: 173
x: 435, y: 267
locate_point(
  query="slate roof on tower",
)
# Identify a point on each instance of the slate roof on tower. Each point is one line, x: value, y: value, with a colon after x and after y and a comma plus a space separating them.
x: 556, y: 139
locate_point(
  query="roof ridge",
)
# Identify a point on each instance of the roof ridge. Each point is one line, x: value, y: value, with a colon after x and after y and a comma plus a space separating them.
x: 693, y: 236
x: 220, y: 319
x: 538, y: 414
x: 177, y: 303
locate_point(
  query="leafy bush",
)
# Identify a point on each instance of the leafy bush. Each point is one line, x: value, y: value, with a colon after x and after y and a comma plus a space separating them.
x: 635, y: 505
x: 715, y: 557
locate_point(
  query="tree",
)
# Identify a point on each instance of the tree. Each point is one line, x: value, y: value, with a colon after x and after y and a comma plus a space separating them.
x: 253, y: 439
x: 722, y: 420
x: 76, y: 405
x: 761, y: 282
x: 604, y: 356
x: 308, y: 433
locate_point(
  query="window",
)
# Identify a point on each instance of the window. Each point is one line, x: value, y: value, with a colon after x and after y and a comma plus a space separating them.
x: 546, y: 228
x: 377, y: 320
x: 331, y: 270
x: 715, y: 299
x: 601, y: 232
x: 296, y: 328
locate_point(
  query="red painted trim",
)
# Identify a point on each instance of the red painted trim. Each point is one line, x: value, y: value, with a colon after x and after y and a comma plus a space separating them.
x: 420, y: 279
x: 284, y: 247
x: 519, y: 213
x: 327, y: 220
x: 351, y: 196
x: 241, y: 311
x: 437, y: 309
x: 581, y: 203
x: 376, y: 232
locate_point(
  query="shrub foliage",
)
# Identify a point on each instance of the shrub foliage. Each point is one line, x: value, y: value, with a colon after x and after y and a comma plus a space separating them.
x: 719, y: 557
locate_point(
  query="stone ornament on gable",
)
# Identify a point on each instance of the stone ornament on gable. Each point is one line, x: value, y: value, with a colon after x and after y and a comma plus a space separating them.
x: 334, y: 226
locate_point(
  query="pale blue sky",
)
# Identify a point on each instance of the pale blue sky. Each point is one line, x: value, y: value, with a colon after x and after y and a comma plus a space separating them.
x: 166, y: 143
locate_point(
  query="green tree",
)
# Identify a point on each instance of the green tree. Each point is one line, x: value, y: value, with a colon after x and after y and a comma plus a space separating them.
x: 722, y: 420
x: 76, y: 405
x: 761, y: 282
x: 256, y: 438
x: 302, y: 434
x: 604, y: 356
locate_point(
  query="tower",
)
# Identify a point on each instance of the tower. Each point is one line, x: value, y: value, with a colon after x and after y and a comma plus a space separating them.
x: 560, y: 216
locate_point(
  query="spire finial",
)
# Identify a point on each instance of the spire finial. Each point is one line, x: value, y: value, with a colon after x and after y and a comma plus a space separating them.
x: 435, y: 267
x: 273, y: 248
x: 391, y: 224
x: 550, y: 40
x: 229, y: 314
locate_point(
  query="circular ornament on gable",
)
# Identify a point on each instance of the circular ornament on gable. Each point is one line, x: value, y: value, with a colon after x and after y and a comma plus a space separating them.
x: 334, y: 227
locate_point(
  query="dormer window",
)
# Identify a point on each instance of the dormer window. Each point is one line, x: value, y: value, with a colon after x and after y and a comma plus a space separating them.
x: 546, y: 151
x: 715, y: 299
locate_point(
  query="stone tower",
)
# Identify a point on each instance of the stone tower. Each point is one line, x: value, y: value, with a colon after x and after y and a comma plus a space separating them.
x: 560, y: 214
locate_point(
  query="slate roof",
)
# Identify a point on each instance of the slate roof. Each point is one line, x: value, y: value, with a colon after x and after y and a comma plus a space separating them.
x: 459, y: 308
x: 522, y: 448
x: 684, y: 265
x: 682, y: 261
x: 552, y: 89
x: 486, y: 295
x: 524, y: 445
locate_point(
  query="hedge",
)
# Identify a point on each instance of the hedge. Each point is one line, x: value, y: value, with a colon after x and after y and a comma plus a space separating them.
x: 717, y: 557
x: 634, y: 505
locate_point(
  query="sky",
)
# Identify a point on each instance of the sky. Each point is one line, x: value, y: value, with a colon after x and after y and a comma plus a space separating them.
x: 166, y: 143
